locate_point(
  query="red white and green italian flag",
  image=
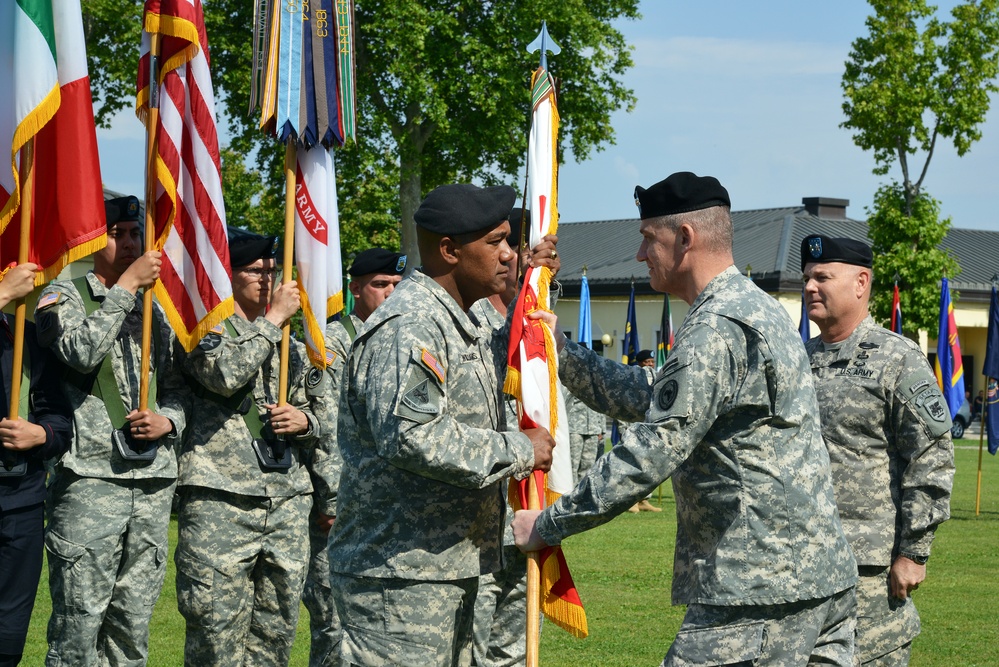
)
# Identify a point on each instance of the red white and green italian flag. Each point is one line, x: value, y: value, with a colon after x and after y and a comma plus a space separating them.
x: 46, y: 96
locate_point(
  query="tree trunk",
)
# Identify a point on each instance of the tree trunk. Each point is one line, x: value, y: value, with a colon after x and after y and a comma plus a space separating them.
x: 410, y: 195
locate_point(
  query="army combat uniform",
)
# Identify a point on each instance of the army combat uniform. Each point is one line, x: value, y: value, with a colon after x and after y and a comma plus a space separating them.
x: 585, y: 428
x: 108, y: 517
x: 420, y: 510
x: 500, y: 623
x: 761, y: 559
x: 242, y: 551
x: 324, y: 465
x: 887, y: 428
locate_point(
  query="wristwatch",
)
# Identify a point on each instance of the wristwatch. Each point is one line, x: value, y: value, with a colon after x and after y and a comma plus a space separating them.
x: 918, y: 560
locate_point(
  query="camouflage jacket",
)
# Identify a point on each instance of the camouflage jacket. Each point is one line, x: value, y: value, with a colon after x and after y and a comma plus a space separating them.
x: 582, y: 418
x: 732, y: 418
x: 887, y: 428
x: 82, y: 342
x: 218, y: 451
x: 325, y: 462
x: 423, y: 458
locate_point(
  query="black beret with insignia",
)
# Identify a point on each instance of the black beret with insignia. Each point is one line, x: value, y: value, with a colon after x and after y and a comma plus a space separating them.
x: 682, y: 192
x: 377, y: 260
x: 120, y: 209
x: 643, y: 355
x: 463, y: 208
x: 821, y: 249
x: 516, y: 215
x: 246, y: 247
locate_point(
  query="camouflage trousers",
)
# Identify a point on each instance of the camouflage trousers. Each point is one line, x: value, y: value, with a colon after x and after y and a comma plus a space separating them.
x: 500, y: 625
x: 809, y: 632
x: 405, y: 622
x: 107, y: 551
x: 241, y: 563
x: 324, y: 624
x: 886, y: 625
x: 583, y: 450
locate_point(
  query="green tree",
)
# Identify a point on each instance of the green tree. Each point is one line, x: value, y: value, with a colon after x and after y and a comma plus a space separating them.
x: 908, y: 245
x: 912, y: 80
x: 443, y: 93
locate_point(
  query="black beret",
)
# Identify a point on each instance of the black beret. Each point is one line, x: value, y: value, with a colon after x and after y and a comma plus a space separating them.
x: 515, y: 217
x: 377, y: 260
x: 121, y: 208
x: 821, y: 249
x: 643, y: 355
x: 463, y: 208
x: 246, y: 247
x: 682, y: 192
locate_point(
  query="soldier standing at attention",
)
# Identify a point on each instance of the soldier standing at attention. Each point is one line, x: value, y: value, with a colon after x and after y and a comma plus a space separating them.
x: 110, y: 498
x: 420, y: 509
x: 761, y: 560
x: 887, y: 428
x: 242, y: 550
x: 42, y: 430
x: 374, y: 273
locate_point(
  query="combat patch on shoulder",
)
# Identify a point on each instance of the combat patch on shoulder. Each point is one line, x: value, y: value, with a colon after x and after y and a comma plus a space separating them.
x: 49, y: 299
x: 932, y: 403
x: 421, y: 398
x: 209, y: 342
x: 430, y: 361
x: 671, y: 391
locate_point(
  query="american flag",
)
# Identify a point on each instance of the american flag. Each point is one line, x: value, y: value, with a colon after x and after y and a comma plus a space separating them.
x: 194, y: 288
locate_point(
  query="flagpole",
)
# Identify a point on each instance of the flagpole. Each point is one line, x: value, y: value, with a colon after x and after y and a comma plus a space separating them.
x: 288, y: 259
x: 24, y: 245
x: 533, y: 583
x: 981, y: 446
x: 152, y: 122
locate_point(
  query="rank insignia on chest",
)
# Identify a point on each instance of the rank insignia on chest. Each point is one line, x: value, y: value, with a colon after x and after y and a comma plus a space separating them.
x: 430, y: 361
x: 48, y: 300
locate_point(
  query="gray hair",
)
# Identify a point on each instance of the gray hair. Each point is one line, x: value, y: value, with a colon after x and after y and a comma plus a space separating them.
x: 714, y: 224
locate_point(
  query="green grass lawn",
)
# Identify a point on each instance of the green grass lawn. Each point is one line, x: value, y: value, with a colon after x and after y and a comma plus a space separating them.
x: 624, y: 570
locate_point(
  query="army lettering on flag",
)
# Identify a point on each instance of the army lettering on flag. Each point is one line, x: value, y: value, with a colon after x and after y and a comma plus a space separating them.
x: 194, y: 288
x: 317, y: 247
x: 948, y: 368
x: 532, y: 373
x: 46, y: 97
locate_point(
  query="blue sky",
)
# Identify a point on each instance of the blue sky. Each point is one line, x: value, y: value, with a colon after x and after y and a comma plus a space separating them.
x: 748, y: 92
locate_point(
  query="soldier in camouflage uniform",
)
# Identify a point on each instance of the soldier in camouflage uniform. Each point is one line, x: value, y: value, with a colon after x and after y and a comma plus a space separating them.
x: 420, y: 508
x: 586, y: 434
x: 887, y: 428
x: 761, y: 560
x: 500, y: 622
x: 242, y: 551
x: 110, y: 497
x: 375, y: 273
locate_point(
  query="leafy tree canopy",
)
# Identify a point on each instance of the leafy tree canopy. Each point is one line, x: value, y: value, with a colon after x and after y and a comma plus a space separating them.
x: 915, y: 78
x: 443, y: 95
x: 908, y: 246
